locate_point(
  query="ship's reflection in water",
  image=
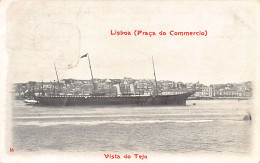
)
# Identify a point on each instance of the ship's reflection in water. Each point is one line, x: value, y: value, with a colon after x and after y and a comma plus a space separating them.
x: 208, y: 126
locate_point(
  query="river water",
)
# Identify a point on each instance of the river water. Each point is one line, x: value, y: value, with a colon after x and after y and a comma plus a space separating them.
x: 209, y: 126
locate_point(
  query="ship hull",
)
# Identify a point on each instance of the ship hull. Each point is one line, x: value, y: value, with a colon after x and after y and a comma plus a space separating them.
x: 120, y: 100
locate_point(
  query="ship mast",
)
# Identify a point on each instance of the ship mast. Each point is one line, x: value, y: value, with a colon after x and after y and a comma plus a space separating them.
x: 57, y: 76
x: 42, y: 87
x: 91, y: 72
x: 155, y: 78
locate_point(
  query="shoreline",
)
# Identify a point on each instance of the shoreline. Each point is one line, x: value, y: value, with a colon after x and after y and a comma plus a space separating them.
x: 220, y: 98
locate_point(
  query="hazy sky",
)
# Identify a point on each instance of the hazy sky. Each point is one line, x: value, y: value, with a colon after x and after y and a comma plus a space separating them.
x: 40, y: 33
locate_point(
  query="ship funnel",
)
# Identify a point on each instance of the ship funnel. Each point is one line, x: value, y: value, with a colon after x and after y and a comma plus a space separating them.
x: 132, y: 88
x: 118, y: 89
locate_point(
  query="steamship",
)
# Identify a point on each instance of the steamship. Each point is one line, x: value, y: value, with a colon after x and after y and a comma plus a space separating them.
x: 99, y: 98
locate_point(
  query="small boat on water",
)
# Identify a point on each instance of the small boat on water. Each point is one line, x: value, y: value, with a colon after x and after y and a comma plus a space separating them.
x: 30, y: 101
x: 247, y: 117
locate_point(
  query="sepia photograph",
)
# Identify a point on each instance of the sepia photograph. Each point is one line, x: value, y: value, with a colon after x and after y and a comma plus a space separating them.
x: 129, y: 81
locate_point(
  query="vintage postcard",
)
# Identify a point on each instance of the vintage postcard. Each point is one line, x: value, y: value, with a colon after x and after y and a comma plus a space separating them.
x: 129, y: 81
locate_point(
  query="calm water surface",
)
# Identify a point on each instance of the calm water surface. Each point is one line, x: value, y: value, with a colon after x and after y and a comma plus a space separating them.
x: 208, y: 126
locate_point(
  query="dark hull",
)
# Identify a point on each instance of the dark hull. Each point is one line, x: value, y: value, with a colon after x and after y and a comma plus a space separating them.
x: 121, y: 100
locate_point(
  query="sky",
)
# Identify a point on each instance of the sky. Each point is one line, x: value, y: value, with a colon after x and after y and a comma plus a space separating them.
x: 39, y: 33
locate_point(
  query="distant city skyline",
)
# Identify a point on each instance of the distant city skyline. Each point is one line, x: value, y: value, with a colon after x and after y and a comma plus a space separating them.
x: 114, y: 87
x: 42, y: 34
x: 129, y: 78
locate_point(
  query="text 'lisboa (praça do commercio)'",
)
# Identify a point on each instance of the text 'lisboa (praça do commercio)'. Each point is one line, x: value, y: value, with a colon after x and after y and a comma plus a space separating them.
x: 161, y: 33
